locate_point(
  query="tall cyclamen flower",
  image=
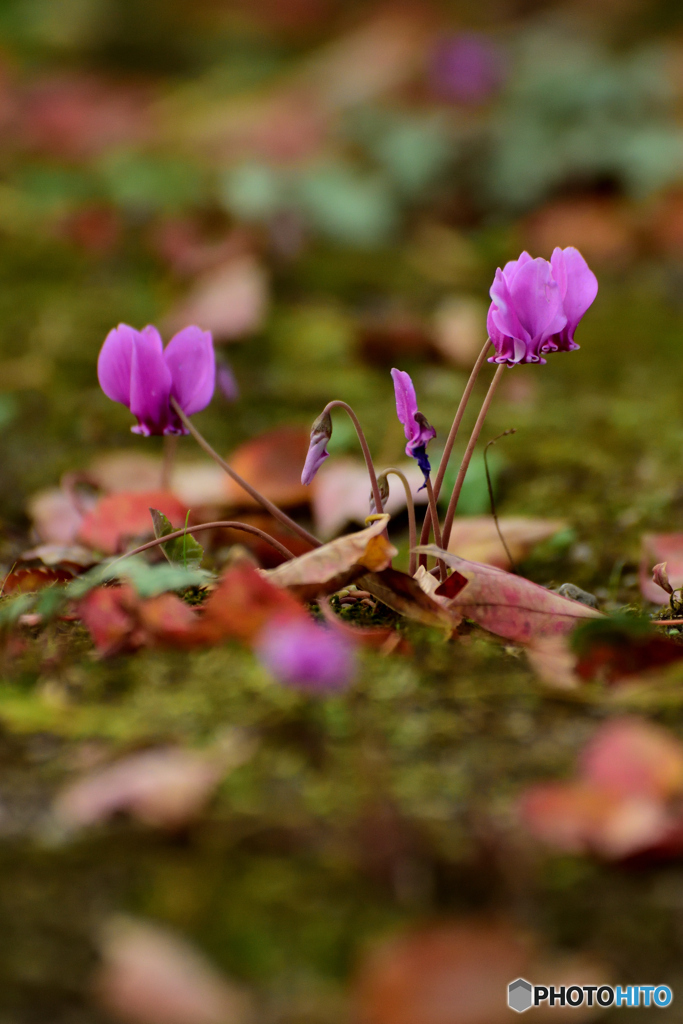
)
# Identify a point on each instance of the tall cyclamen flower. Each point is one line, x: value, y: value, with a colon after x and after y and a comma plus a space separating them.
x: 136, y: 370
x: 537, y: 305
x: 418, y: 432
x: 306, y: 655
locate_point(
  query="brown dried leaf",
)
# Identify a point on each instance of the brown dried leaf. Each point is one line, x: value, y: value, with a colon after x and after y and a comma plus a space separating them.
x: 272, y: 463
x: 405, y: 595
x: 149, y: 975
x: 332, y: 566
x: 509, y: 605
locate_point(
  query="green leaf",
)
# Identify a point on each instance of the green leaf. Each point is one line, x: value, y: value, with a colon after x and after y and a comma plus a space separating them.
x: 185, y: 550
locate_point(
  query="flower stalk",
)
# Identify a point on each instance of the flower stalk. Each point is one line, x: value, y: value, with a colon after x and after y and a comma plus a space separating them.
x: 412, y: 525
x: 222, y: 523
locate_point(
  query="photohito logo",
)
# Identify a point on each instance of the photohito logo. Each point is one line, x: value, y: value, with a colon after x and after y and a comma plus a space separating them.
x: 522, y: 995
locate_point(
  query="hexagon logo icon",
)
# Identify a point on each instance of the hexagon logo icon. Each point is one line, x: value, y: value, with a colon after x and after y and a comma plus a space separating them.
x: 520, y: 995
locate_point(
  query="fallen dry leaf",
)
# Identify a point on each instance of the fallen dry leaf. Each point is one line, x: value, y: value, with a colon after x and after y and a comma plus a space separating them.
x: 120, y: 621
x: 611, y: 651
x: 337, y: 563
x: 61, y: 554
x: 620, y: 802
x: 340, y: 494
x: 458, y: 973
x: 554, y: 662
x: 165, y: 788
x: 509, y: 605
x: 149, y: 975
x: 126, y: 514
x: 272, y: 463
x: 55, y: 517
x: 241, y: 605
x: 656, y: 548
x: 25, y: 581
x: 476, y: 538
x: 230, y: 301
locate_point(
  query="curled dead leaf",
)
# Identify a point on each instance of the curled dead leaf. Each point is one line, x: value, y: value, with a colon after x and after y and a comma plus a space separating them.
x: 337, y: 563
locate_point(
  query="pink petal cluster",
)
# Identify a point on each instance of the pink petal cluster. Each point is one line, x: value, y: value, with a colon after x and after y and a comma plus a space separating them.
x: 136, y: 370
x: 306, y: 655
x: 537, y: 305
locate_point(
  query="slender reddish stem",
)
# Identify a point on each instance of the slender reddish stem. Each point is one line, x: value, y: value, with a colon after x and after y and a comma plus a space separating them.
x: 225, y: 523
x: 276, y: 512
x: 412, y: 525
x: 464, y: 465
x: 450, y: 441
x: 437, y: 528
x: 338, y: 404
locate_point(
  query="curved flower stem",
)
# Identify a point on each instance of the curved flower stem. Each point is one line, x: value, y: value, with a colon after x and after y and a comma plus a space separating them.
x: 412, y: 526
x: 256, y: 495
x: 168, y: 460
x: 226, y: 523
x: 437, y: 528
x: 464, y: 465
x: 450, y: 441
x: 338, y: 404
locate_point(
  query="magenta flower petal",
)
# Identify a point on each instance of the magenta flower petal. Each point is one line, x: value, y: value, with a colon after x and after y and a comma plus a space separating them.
x: 417, y: 430
x: 578, y: 287
x: 537, y: 301
x: 150, y: 383
x: 191, y: 361
x: 114, y: 363
x: 303, y: 654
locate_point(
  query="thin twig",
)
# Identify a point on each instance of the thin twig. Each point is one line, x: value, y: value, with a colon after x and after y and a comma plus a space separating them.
x: 276, y: 512
x: 412, y: 525
x: 464, y: 465
x: 226, y: 523
x: 338, y: 404
x: 505, y: 433
x: 450, y: 441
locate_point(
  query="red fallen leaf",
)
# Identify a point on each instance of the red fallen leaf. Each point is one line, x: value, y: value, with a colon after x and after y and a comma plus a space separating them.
x: 634, y: 757
x: 509, y: 605
x: 24, y: 581
x: 119, y: 621
x: 241, y: 604
x: 148, y: 975
x: 612, y: 650
x: 620, y: 803
x: 126, y: 514
x: 165, y: 788
x: 271, y: 462
x: 454, y: 973
x: 657, y: 548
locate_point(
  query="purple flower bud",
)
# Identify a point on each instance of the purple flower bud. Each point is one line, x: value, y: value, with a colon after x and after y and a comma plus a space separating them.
x: 537, y: 305
x: 136, y: 370
x: 301, y: 653
x: 417, y: 430
x: 468, y: 68
x: 321, y: 432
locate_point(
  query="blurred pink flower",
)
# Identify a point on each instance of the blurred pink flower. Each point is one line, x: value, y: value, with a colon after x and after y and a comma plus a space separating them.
x: 537, y: 305
x: 303, y: 654
x: 136, y: 370
x: 467, y: 67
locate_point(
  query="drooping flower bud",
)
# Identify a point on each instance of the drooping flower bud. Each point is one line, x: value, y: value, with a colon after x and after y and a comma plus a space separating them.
x: 415, y: 426
x: 661, y: 577
x: 321, y: 432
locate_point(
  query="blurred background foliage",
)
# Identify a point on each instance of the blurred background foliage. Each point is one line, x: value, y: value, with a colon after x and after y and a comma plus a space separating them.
x: 329, y: 186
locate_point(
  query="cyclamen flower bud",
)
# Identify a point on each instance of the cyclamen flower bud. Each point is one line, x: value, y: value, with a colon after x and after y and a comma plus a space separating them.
x: 321, y: 432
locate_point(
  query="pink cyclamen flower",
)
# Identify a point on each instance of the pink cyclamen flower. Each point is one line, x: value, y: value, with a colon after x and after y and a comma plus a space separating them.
x: 136, y: 370
x: 418, y: 432
x: 537, y: 305
x: 301, y: 653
